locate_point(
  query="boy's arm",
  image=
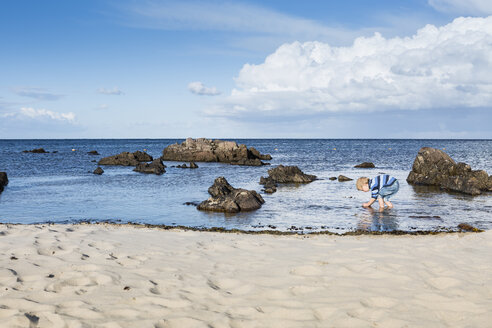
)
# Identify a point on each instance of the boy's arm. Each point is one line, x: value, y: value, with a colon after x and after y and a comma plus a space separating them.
x: 369, y: 203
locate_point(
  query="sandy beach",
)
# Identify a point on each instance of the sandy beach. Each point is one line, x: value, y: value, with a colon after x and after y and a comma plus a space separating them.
x: 125, y: 276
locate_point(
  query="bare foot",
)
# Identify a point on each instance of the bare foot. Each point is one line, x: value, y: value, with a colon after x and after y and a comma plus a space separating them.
x: 388, y: 203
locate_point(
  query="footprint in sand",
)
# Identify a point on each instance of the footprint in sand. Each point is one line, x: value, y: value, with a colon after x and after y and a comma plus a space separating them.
x: 443, y: 282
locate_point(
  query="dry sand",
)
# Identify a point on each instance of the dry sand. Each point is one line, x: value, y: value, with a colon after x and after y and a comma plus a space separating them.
x: 123, y: 276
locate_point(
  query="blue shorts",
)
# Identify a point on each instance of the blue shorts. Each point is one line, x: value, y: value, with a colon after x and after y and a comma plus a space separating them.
x: 389, y: 191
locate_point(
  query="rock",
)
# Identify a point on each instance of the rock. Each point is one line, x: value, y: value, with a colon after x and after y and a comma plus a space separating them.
x: 206, y: 150
x: 191, y: 203
x: 36, y: 151
x: 365, y: 165
x: 155, y: 167
x: 269, y: 186
x: 3, y: 180
x: 289, y: 174
x: 192, y: 166
x: 343, y: 178
x: 333, y: 178
x: 225, y: 198
x: 257, y: 154
x: 98, y: 171
x: 93, y: 152
x: 126, y: 159
x: 433, y: 167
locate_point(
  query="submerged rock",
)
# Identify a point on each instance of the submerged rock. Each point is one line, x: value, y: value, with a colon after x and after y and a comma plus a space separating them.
x: 225, y: 198
x: 206, y: 150
x: 155, y: 167
x: 365, y: 165
x: 98, y: 171
x: 343, y: 178
x: 126, y: 159
x: 3, y: 180
x: 93, y: 152
x: 269, y: 186
x: 433, y: 167
x: 36, y: 151
x: 332, y: 178
x: 192, y: 166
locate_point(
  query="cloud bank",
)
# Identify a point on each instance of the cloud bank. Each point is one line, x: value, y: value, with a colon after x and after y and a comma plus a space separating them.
x: 463, y: 7
x: 438, y: 67
x: 41, y: 114
x: 111, y: 92
x: 199, y: 89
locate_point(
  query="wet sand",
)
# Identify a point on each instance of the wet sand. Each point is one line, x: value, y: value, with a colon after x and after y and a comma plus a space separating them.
x: 127, y: 276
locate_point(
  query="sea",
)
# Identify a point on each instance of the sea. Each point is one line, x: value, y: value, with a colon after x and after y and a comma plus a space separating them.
x: 61, y: 188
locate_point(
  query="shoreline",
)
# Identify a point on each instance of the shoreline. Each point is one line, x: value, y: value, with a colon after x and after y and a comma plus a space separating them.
x: 298, y: 231
x: 108, y: 275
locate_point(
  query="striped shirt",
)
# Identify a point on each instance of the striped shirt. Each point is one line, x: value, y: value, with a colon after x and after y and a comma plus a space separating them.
x: 379, y: 182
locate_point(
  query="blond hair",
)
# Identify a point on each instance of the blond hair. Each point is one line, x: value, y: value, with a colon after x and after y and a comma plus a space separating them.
x: 361, y: 182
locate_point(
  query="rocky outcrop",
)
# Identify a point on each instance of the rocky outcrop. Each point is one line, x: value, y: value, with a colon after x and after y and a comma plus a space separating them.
x: 36, y: 151
x: 98, y: 171
x: 192, y: 166
x: 365, y: 165
x: 433, y: 167
x: 93, y: 152
x: 206, y: 150
x: 284, y: 174
x: 3, y: 180
x: 155, y: 167
x: 289, y: 174
x: 343, y: 178
x: 225, y: 198
x: 126, y: 159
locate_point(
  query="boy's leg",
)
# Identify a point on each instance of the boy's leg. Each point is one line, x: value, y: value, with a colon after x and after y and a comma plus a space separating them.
x: 387, y: 202
x: 381, y: 204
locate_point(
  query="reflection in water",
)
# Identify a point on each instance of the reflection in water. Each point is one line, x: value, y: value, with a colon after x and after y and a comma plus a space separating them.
x: 372, y: 220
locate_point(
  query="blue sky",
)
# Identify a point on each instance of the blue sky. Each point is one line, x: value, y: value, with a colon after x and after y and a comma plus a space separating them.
x: 245, y: 69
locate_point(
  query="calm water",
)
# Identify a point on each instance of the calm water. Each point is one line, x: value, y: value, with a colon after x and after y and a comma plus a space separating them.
x: 58, y: 188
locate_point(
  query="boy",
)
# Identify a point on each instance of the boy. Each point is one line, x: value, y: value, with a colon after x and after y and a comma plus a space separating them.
x: 382, y: 188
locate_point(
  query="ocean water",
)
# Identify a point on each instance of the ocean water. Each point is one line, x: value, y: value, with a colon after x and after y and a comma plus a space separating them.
x: 59, y: 187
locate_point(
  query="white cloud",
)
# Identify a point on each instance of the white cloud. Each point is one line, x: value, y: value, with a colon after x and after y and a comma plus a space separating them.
x: 115, y: 91
x: 36, y: 93
x: 199, y: 89
x: 42, y: 114
x: 438, y: 67
x: 463, y: 7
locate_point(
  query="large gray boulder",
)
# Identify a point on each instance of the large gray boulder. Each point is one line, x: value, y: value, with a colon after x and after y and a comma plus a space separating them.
x: 433, y: 167
x: 225, y: 198
x: 206, y: 150
x: 155, y: 167
x: 289, y: 174
x: 3, y: 180
x: 284, y: 174
x: 126, y: 159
